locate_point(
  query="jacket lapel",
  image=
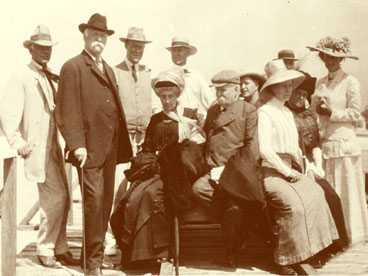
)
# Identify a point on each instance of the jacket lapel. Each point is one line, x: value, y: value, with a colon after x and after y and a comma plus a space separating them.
x: 94, y: 67
x: 45, y: 89
x: 227, y: 116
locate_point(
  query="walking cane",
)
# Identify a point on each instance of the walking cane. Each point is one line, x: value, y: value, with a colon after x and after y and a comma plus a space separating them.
x: 83, y: 224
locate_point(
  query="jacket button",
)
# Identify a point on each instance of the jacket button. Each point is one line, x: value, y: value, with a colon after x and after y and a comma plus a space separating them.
x: 107, y: 101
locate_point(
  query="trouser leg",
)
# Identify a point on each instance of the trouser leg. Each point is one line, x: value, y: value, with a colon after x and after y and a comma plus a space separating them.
x: 54, y: 206
x: 98, y: 195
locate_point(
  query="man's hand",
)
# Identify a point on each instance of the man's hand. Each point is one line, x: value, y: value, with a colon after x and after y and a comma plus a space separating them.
x: 25, y: 150
x: 81, y: 155
x: 295, y: 176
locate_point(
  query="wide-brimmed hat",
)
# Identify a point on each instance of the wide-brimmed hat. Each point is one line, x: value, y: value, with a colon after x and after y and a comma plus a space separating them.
x: 167, y: 78
x: 182, y: 42
x: 253, y: 75
x: 97, y: 22
x: 41, y: 36
x: 334, y: 47
x: 225, y: 77
x: 277, y: 73
x: 286, y: 54
x: 135, y: 34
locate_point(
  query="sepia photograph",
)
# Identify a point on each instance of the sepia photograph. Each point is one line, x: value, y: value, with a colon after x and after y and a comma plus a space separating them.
x: 184, y: 137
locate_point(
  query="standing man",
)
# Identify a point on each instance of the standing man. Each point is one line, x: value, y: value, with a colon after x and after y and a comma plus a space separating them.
x: 196, y: 94
x: 288, y: 58
x: 232, y: 153
x: 92, y: 121
x: 135, y: 93
x: 134, y: 82
x: 250, y: 85
x: 28, y: 122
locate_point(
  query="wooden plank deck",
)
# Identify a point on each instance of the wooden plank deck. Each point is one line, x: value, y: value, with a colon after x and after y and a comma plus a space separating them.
x: 199, y: 256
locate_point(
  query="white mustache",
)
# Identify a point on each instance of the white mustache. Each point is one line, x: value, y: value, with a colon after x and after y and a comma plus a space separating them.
x: 97, y: 43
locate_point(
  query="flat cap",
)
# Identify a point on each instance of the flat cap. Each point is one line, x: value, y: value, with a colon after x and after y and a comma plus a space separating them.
x: 225, y: 77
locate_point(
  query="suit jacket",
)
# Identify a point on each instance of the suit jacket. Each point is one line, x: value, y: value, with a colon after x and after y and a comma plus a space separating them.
x: 25, y: 114
x: 86, y: 109
x: 232, y: 142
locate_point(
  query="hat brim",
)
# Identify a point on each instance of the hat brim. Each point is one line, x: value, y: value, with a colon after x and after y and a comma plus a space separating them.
x: 222, y: 84
x: 124, y: 39
x: 192, y: 49
x: 261, y: 79
x: 288, y: 58
x: 282, y: 76
x: 331, y: 53
x: 84, y: 26
x: 27, y: 43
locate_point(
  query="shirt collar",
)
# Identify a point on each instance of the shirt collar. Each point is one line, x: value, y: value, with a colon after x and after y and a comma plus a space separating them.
x: 127, y: 61
x: 277, y: 102
x: 92, y: 56
x: 333, y: 74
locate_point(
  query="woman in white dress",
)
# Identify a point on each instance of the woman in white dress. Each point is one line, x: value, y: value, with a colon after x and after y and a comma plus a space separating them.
x: 303, y: 218
x: 337, y: 101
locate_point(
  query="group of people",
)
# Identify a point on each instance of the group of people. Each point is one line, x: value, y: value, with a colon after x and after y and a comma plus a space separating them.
x: 277, y: 150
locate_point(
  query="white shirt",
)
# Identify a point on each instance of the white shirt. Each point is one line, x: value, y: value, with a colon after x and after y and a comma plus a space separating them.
x: 196, y: 93
x: 277, y: 133
x: 98, y: 61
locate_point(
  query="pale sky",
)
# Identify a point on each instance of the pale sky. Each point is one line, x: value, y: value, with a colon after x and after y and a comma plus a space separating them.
x: 229, y: 34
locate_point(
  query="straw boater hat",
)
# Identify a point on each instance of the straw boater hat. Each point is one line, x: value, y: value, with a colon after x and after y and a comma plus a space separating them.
x: 253, y: 75
x: 97, y: 22
x: 171, y: 77
x: 277, y: 73
x: 135, y: 34
x: 334, y: 47
x: 286, y: 54
x: 182, y: 42
x: 41, y: 36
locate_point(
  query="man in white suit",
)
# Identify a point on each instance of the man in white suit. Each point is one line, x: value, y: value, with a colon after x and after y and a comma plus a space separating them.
x: 27, y: 119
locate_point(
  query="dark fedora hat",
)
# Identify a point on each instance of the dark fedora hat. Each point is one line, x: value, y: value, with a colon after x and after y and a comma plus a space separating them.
x: 97, y: 22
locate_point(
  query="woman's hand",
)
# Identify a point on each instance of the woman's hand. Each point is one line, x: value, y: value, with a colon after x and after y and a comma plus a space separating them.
x: 295, y: 176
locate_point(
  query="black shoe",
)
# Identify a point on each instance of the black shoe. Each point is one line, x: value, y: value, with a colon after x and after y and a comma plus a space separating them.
x: 49, y: 261
x: 94, y: 271
x: 67, y: 259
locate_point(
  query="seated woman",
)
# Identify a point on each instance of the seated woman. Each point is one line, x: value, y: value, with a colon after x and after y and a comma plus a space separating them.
x: 140, y: 223
x: 309, y: 141
x: 304, y: 221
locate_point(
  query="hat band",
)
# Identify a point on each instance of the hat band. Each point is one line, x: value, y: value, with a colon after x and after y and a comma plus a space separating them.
x: 179, y: 43
x: 286, y: 56
x: 135, y: 37
x: 41, y: 37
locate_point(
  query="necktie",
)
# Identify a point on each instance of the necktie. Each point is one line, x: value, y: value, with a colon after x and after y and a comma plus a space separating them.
x: 134, y: 73
x: 51, y: 77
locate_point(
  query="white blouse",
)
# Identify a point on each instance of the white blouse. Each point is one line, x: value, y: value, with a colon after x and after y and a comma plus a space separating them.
x: 277, y: 133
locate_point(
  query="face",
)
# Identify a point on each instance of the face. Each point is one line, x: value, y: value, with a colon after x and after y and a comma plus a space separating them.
x: 40, y: 54
x: 179, y: 55
x: 169, y: 97
x: 298, y: 98
x: 248, y: 87
x: 227, y: 94
x: 135, y: 51
x: 94, y: 41
x: 289, y: 63
x: 282, y: 91
x: 332, y: 63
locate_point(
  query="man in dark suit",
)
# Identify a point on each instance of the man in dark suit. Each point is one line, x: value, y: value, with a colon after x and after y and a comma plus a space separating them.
x: 91, y: 119
x: 232, y: 153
